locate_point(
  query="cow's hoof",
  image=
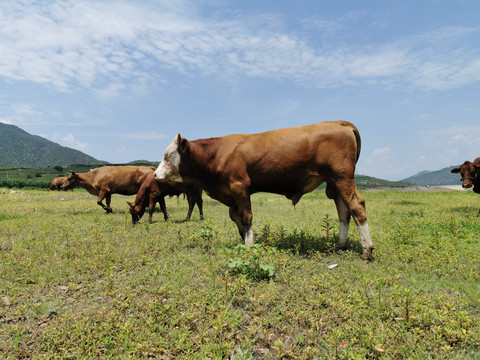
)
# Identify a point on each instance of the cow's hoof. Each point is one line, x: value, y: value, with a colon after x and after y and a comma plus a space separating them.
x: 109, y: 211
x: 367, y: 254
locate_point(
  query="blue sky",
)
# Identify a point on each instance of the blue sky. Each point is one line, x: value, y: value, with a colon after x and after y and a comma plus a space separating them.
x: 118, y: 79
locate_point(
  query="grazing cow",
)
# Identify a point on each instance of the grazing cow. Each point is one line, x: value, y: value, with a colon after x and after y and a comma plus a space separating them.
x: 291, y: 162
x: 57, y: 183
x: 470, y: 173
x: 108, y: 180
x: 152, y: 191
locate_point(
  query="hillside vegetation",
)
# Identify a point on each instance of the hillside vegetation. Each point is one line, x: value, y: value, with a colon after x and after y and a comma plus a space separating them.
x: 21, y: 177
x: 76, y: 283
x: 42, y: 177
x: 438, y: 177
x: 21, y: 149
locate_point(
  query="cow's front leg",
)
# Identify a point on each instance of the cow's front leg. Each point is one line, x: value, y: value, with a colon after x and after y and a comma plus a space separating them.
x: 104, y: 195
x: 344, y: 217
x: 163, y: 207
x: 244, y: 224
x: 356, y: 205
x: 237, y: 219
x: 191, y: 204
x: 244, y: 207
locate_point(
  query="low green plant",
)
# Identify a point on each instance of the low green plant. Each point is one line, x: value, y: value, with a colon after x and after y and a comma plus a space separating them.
x: 205, y: 232
x: 252, y: 263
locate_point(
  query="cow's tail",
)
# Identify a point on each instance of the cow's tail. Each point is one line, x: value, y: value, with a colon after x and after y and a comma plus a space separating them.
x: 358, y: 141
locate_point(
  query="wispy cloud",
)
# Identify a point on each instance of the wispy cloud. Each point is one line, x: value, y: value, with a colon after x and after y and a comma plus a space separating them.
x: 69, y: 141
x: 101, y: 45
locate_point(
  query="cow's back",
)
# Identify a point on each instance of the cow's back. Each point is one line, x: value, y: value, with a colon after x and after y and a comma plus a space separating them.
x: 300, y: 157
x: 124, y: 180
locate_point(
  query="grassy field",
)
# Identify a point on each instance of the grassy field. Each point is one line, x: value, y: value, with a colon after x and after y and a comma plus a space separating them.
x: 76, y: 283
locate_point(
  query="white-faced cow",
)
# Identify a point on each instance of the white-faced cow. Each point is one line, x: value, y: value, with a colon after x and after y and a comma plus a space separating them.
x: 291, y: 161
x: 152, y: 191
x: 470, y: 173
x: 108, y: 180
x: 57, y: 183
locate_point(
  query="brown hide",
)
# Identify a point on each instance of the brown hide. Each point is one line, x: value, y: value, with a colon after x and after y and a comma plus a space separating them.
x: 108, y: 180
x: 152, y: 191
x: 470, y: 173
x: 57, y: 183
x: 291, y: 161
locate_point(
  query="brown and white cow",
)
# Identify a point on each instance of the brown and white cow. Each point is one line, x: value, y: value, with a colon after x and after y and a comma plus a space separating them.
x: 152, y: 191
x: 108, y: 180
x: 57, y: 183
x: 470, y: 173
x: 291, y: 161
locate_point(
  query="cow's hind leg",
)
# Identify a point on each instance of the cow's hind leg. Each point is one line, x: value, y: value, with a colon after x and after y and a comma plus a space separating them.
x: 355, y: 203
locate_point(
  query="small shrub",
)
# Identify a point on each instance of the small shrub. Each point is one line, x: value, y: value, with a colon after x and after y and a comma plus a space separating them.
x: 251, y: 263
x: 205, y: 232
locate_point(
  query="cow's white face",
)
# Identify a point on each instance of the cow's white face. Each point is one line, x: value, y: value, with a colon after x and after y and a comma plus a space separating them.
x: 169, y: 167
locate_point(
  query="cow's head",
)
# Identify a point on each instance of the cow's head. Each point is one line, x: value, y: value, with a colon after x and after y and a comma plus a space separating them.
x: 468, y: 171
x: 71, y: 182
x: 169, y: 168
x: 136, y: 211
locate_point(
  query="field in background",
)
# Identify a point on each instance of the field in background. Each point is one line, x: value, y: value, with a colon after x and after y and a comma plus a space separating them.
x: 78, y: 283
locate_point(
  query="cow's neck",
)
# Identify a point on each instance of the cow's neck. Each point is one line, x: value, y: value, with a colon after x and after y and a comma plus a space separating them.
x: 202, y: 165
x: 85, y: 181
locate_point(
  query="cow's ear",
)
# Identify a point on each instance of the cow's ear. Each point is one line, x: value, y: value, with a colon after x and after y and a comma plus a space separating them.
x: 130, y: 204
x: 182, y: 145
x: 455, y: 171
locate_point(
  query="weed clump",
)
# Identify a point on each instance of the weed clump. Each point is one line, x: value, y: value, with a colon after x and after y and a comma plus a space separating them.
x: 253, y: 263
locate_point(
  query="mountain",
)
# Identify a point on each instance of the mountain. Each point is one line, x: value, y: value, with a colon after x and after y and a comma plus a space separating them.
x: 19, y: 148
x: 368, y: 182
x: 439, y: 177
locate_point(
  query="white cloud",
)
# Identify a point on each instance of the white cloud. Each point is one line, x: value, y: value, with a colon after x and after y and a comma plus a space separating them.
x: 381, y: 151
x: 453, y: 144
x: 110, y: 92
x: 137, y: 136
x: 69, y: 141
x: 4, y: 121
x: 63, y: 44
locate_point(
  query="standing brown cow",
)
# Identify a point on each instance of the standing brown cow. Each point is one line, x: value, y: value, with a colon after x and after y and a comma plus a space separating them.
x: 470, y: 173
x: 152, y: 191
x: 108, y: 180
x: 291, y: 161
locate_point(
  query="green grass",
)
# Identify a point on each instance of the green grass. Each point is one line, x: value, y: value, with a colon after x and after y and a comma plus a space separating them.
x: 78, y: 283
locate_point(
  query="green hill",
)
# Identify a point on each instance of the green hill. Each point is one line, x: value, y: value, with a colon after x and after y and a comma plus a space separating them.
x: 19, y: 148
x: 438, y: 177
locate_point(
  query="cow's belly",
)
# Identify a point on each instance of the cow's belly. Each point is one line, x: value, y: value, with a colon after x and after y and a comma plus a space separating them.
x: 293, y: 189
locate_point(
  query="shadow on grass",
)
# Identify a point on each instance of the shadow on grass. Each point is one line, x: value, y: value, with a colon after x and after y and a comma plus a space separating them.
x: 466, y: 210
x: 302, y: 242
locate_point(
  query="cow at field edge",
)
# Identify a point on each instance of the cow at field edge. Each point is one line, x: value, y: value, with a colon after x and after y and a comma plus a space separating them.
x: 470, y: 173
x: 108, y: 180
x: 57, y: 183
x: 152, y: 191
x: 291, y: 161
